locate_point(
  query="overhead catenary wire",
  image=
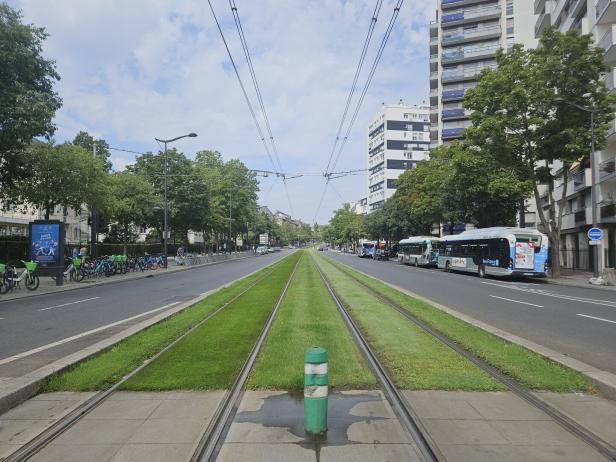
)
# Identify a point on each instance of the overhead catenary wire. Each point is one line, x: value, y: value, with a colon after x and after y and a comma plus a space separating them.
x: 253, y: 75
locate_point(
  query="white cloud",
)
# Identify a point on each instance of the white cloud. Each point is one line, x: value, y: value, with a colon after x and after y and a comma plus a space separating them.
x: 135, y: 70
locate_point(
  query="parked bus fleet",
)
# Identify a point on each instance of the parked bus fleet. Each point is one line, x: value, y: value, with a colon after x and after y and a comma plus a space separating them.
x: 499, y: 251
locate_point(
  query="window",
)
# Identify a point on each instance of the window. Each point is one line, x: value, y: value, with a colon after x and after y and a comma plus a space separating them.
x: 415, y: 137
x: 509, y: 26
x: 509, y: 8
x: 406, y: 115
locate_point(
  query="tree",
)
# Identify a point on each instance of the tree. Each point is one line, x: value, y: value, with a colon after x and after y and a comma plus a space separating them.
x: 519, y: 122
x: 27, y: 100
x: 346, y: 227
x: 61, y: 176
x: 86, y: 141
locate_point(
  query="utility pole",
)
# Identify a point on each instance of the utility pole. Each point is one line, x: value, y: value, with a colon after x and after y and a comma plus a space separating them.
x: 94, y: 225
x: 593, y: 193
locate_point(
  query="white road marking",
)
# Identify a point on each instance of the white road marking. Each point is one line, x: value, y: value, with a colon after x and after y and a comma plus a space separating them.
x: 517, y: 301
x: 66, y: 304
x: 83, y: 334
x: 591, y: 301
x: 598, y: 319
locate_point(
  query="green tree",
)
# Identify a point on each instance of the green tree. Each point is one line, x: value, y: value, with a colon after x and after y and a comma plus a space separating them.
x: 519, y: 121
x: 86, y: 141
x: 62, y: 176
x: 346, y: 227
x: 28, y: 102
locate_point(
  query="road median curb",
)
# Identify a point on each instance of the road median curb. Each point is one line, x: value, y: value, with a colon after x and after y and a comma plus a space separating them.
x: 16, y: 390
x: 603, y: 381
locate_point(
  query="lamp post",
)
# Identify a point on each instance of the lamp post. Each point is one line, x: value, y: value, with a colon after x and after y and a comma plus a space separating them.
x: 166, y: 230
x: 592, y: 110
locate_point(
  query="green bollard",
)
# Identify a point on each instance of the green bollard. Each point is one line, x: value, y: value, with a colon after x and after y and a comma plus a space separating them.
x: 315, y: 390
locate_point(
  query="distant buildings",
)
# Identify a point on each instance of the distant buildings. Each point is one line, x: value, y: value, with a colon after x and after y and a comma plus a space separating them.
x: 398, y: 137
x: 360, y: 207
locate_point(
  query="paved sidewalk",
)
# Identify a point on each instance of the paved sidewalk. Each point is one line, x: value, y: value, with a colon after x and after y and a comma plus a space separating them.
x: 577, y: 279
x: 48, y: 285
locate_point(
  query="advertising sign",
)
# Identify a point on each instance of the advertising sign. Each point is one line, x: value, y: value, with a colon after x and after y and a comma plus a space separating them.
x: 263, y: 239
x: 458, y: 262
x: 524, y: 255
x: 45, y: 243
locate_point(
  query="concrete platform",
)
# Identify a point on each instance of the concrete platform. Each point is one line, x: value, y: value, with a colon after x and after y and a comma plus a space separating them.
x: 269, y: 426
x: 477, y: 427
x: 129, y: 426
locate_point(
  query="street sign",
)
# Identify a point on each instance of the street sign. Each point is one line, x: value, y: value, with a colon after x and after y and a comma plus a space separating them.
x: 595, y: 234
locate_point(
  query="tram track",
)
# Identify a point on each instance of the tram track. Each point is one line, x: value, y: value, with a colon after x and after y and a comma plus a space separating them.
x: 408, y: 417
x: 573, y: 427
x: 212, y: 439
x: 55, y: 430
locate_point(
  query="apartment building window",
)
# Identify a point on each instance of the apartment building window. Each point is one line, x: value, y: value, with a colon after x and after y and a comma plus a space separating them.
x: 509, y: 9
x: 509, y: 26
x: 509, y: 43
x: 406, y: 115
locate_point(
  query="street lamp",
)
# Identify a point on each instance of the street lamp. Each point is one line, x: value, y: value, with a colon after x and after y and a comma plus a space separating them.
x: 592, y: 110
x: 166, y: 231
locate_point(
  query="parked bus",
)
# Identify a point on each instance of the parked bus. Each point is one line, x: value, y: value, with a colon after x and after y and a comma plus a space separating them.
x: 418, y: 250
x: 366, y: 249
x: 495, y: 251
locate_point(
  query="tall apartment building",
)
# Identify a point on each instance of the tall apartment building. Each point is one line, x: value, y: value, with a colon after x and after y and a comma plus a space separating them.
x: 398, y: 137
x: 596, y: 17
x: 463, y: 41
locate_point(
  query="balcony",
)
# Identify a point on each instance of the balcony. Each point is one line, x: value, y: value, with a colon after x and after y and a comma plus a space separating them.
x: 456, y: 37
x: 607, y: 170
x: 460, y: 75
x: 453, y: 114
x: 606, y: 12
x: 609, y: 80
x: 579, y: 180
x: 460, y: 55
x: 434, y: 58
x: 452, y: 133
x: 434, y: 75
x: 470, y: 15
x: 433, y: 40
x: 610, y: 134
x: 542, y: 23
x: 539, y: 6
x: 445, y: 4
x: 577, y: 218
x: 453, y: 95
x: 607, y: 212
x: 607, y: 43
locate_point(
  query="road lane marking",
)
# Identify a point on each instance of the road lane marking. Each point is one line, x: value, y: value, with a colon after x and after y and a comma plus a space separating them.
x: 598, y: 319
x: 516, y: 301
x: 67, y: 304
x: 83, y: 334
x: 592, y: 301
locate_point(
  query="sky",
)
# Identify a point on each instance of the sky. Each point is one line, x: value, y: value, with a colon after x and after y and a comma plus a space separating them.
x: 136, y: 70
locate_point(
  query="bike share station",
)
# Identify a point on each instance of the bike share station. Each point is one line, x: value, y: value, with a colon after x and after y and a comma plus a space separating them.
x: 47, y: 248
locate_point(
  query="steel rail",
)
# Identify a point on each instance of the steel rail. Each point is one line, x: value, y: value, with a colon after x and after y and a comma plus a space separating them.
x: 52, y: 432
x: 586, y: 435
x: 409, y: 418
x: 212, y: 439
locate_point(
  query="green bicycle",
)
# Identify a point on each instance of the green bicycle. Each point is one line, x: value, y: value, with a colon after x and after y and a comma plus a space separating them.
x: 12, y: 279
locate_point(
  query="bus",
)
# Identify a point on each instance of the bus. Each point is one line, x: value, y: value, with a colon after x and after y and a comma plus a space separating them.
x: 418, y: 250
x: 366, y: 249
x: 497, y: 251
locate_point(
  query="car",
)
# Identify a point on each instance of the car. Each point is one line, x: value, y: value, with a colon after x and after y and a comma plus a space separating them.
x: 261, y: 250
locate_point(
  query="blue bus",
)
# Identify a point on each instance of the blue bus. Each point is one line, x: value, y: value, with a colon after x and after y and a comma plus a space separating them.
x: 495, y: 251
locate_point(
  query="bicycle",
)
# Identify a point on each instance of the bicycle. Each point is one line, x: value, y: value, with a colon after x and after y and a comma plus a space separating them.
x: 3, y: 287
x: 73, y: 271
x: 31, y: 280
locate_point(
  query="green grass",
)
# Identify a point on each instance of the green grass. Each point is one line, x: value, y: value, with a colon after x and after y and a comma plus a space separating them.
x: 415, y: 360
x: 211, y: 356
x: 309, y: 317
x: 105, y: 369
x: 528, y: 368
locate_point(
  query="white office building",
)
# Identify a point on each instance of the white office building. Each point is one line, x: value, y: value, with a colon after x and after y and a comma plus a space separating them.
x: 398, y: 137
x: 463, y: 41
x: 596, y: 17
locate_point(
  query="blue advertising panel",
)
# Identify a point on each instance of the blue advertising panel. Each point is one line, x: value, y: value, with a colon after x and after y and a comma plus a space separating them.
x: 45, y: 242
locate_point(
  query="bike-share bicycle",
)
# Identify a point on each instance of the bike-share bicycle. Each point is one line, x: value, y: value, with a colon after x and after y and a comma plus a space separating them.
x: 12, y: 279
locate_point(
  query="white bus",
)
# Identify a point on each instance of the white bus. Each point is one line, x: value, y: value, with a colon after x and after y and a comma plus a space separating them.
x: 418, y: 250
x: 497, y: 251
x: 366, y: 249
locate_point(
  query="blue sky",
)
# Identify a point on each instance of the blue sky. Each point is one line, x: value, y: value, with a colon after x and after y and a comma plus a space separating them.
x: 132, y: 71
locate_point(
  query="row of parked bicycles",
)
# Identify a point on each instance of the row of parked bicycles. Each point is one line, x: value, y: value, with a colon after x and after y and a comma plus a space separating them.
x: 77, y: 269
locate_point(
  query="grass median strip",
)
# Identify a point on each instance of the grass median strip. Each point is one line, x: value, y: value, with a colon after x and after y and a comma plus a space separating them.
x: 103, y: 370
x: 211, y: 356
x: 528, y: 368
x: 308, y: 316
x: 415, y: 360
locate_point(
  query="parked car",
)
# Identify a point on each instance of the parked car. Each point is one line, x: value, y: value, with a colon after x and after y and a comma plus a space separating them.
x: 261, y: 250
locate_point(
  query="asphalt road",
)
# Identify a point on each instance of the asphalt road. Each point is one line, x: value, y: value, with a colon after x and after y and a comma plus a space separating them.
x: 578, y: 322
x: 52, y: 322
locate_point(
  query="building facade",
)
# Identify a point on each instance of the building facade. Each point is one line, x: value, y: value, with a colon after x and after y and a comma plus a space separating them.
x: 463, y: 41
x: 398, y: 137
x: 596, y: 17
